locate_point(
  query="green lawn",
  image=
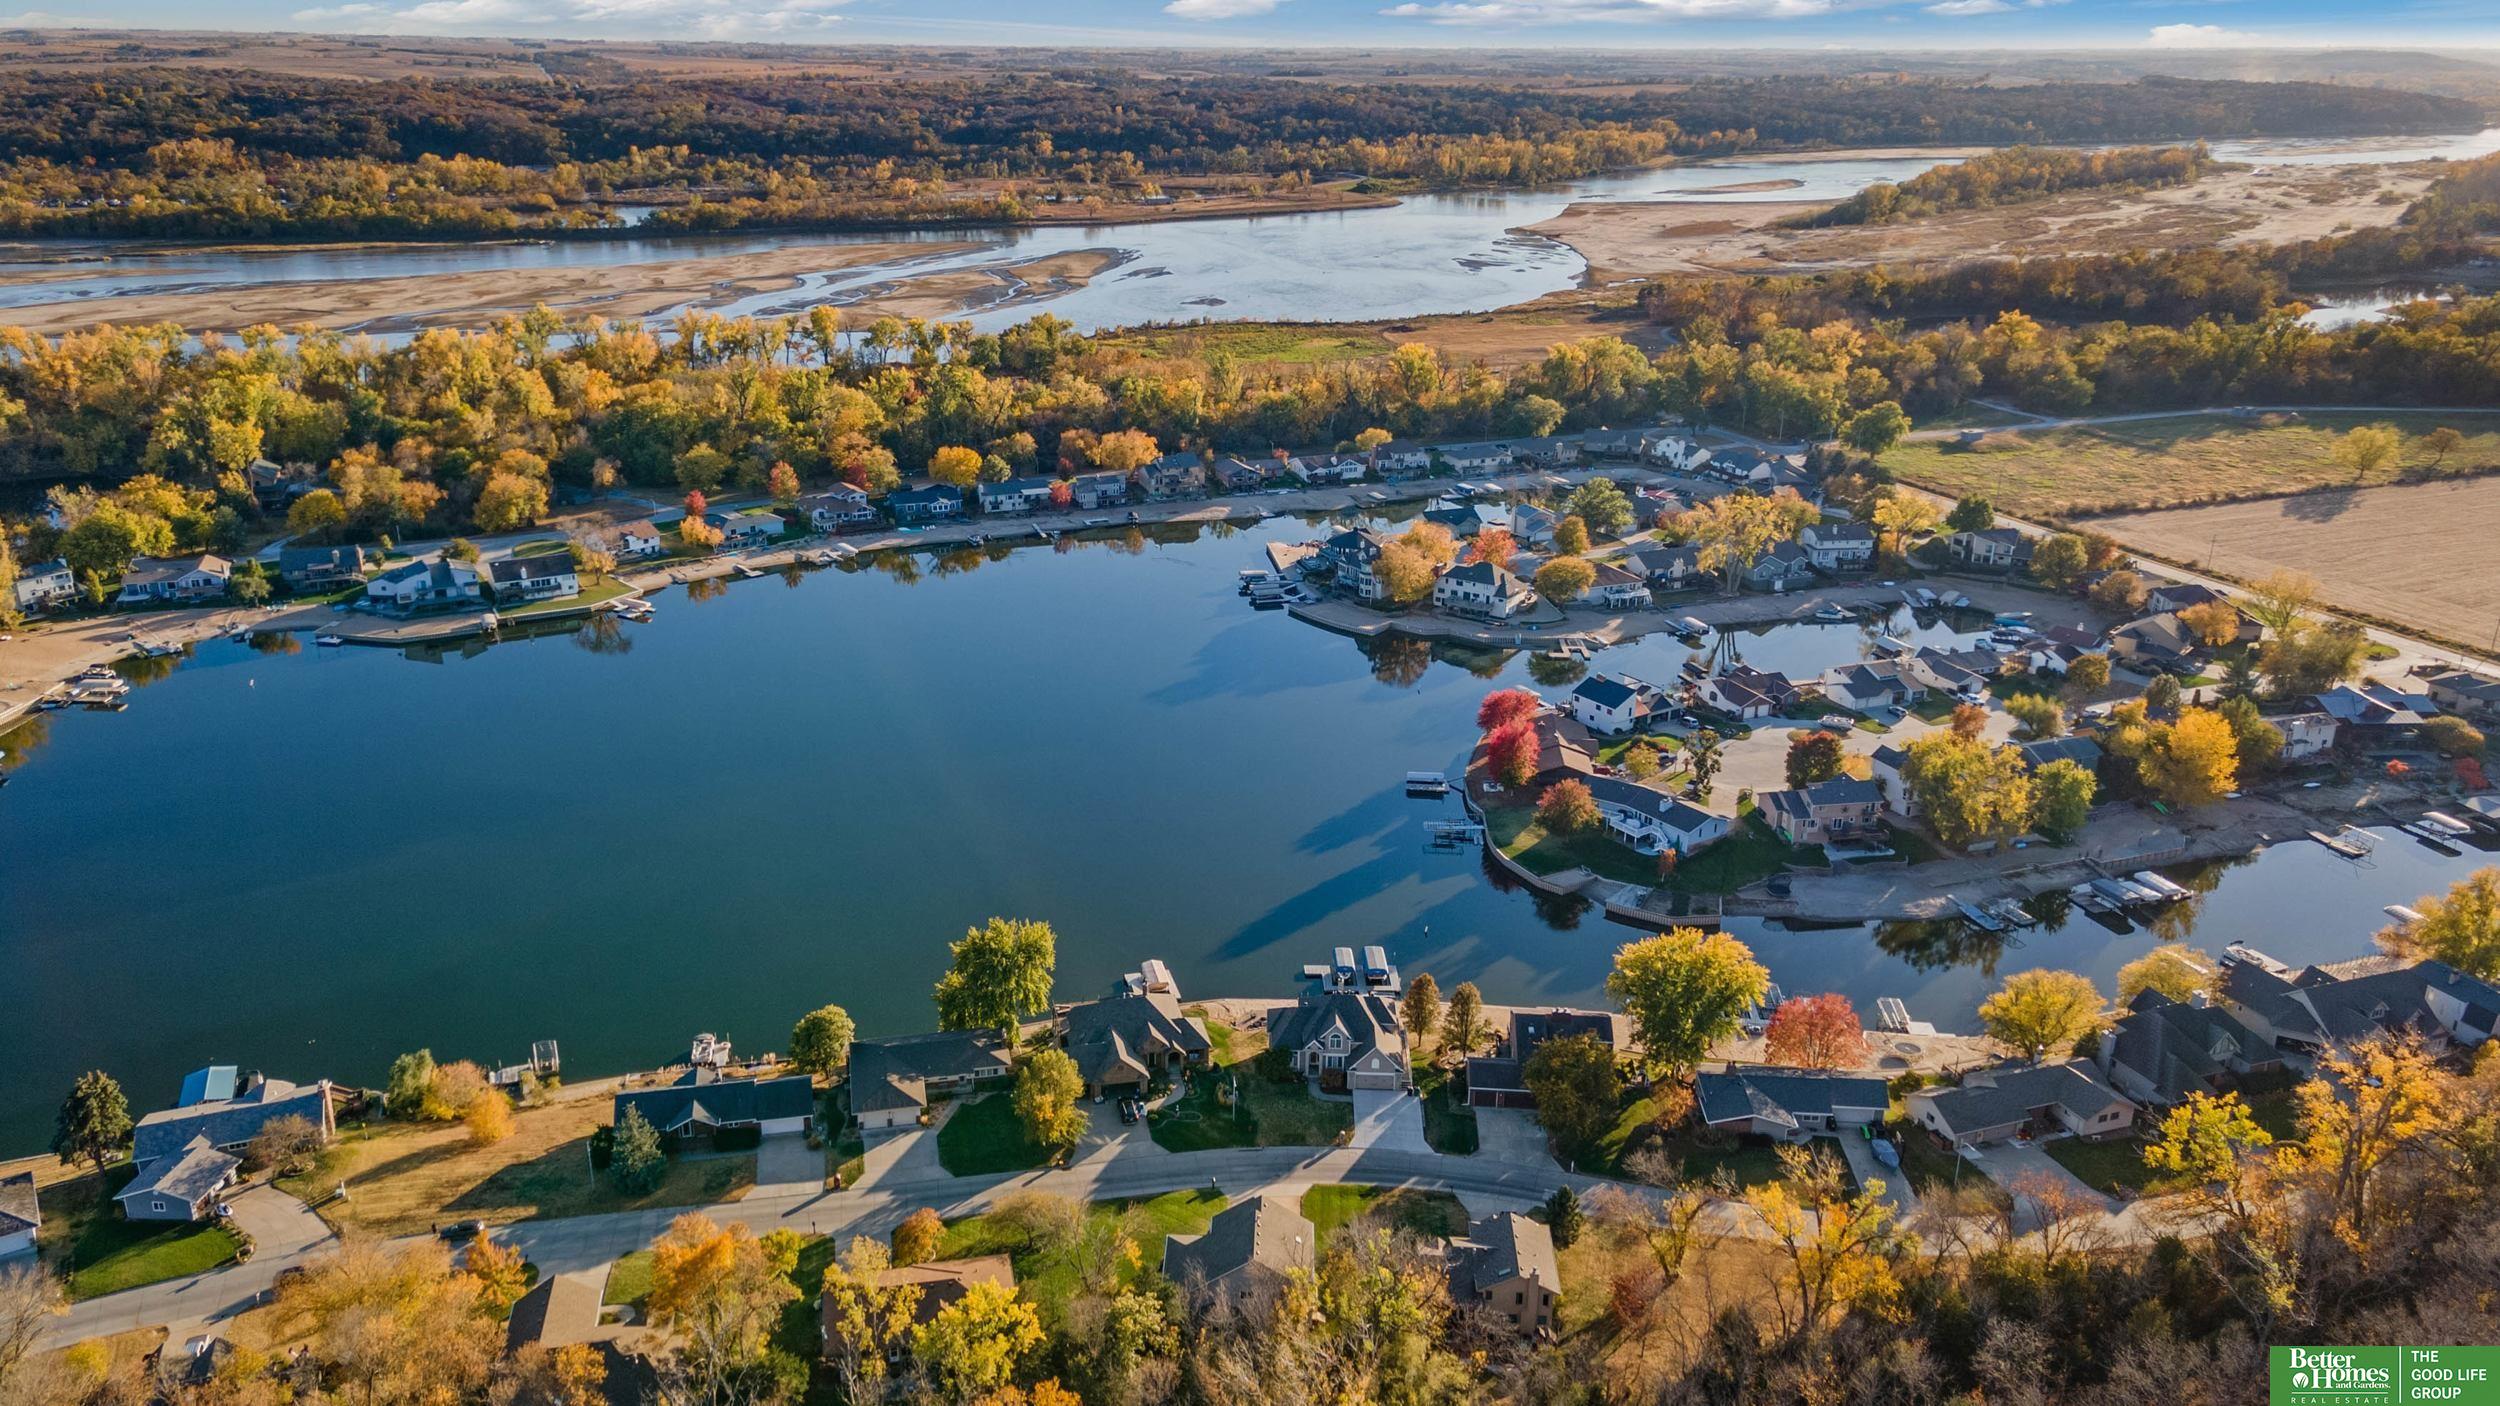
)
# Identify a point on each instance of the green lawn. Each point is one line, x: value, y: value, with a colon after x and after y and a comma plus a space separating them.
x: 592, y: 595
x: 1515, y: 831
x: 1449, y: 1124
x: 984, y: 1137
x: 1049, y: 1274
x: 97, y: 1252
x: 1636, y: 1128
x: 629, y: 1279
x: 1750, y: 852
x: 2108, y: 1166
x: 1931, y: 1168
x: 1269, y: 1114
x: 1426, y: 1213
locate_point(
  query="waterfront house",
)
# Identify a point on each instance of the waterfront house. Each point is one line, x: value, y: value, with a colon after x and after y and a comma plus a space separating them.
x: 311, y: 568
x: 1562, y: 749
x: 538, y: 576
x: 1742, y: 691
x: 1838, y: 546
x: 1478, y: 458
x: 1029, y: 494
x: 929, y: 503
x: 2163, y: 1050
x: 1131, y: 1039
x: 1324, y: 468
x: 636, y: 539
x: 1884, y: 766
x: 1551, y: 451
x: 1614, y: 704
x: 1990, y: 549
x: 186, y: 1154
x: 1498, y: 1080
x: 1614, y: 588
x: 1093, y: 492
x: 703, y: 1104
x: 747, y: 527
x: 1180, y: 474
x: 1351, y: 555
x: 149, y: 579
x: 942, y: 1283
x: 1840, y: 809
x: 892, y: 1081
x: 1873, y: 685
x: 1786, y: 1105
x: 1345, y: 1039
x: 1649, y: 820
x: 2466, y: 694
x: 2375, y: 715
x: 1959, y: 671
x: 1465, y: 520
x: 1506, y: 1263
x: 1673, y: 568
x: 44, y: 585
x: 1401, y: 458
x: 2342, y: 1002
x: 2306, y: 734
x: 1783, y: 565
x: 1235, y: 475
x: 1992, y: 1105
x: 21, y: 1216
x: 421, y: 585
x: 1484, y: 591
x: 841, y: 508
x: 1247, y: 1250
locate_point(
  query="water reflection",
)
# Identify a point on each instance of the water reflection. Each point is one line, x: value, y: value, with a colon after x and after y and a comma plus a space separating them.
x: 603, y: 634
x: 1556, y: 670
x: 1932, y: 944
x: 1396, y: 660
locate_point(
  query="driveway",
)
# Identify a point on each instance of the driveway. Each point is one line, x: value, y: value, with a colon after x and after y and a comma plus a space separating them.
x: 1393, y: 1122
x: 2020, y: 1167
x: 1862, y: 1164
x: 279, y: 1224
x: 787, y: 1166
x: 1512, y: 1137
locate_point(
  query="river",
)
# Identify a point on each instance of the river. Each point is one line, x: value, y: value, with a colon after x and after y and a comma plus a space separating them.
x: 1427, y: 255
x: 784, y: 794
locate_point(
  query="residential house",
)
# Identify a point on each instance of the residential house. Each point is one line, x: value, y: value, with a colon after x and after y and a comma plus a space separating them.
x: 1675, y: 452
x: 1674, y: 568
x: 1094, y: 492
x: 842, y: 508
x: 1563, y: 749
x: 1743, y: 691
x: 186, y: 1154
x: 1239, y: 475
x: 2306, y: 734
x: 174, y: 578
x: 1614, y: 588
x: 1787, y: 1105
x: 1324, y: 468
x: 44, y: 585
x: 1498, y: 1080
x: 704, y: 1103
x: 929, y: 503
x: 941, y: 1283
x: 310, y: 568
x: 1840, y: 809
x: 1180, y: 474
x: 2373, y: 714
x: 2343, y: 1002
x: 1551, y: 451
x: 2466, y: 694
x: 1401, y: 458
x: 1506, y: 1263
x: 1131, y: 1039
x: 1340, y: 1037
x: 1658, y: 507
x: 560, y: 1310
x: 21, y: 1216
x: 1465, y: 520
x: 1483, y: 458
x: 1029, y: 494
x: 2173, y: 596
x: 1613, y: 444
x: 1990, y: 549
x: 1352, y: 554
x: 1247, y: 1249
x: 275, y: 485
x: 1885, y: 765
x: 2156, y: 643
x: 747, y: 527
x: 1614, y: 704
x: 641, y: 538
x: 424, y: 585
x: 2163, y: 1050
x: 1958, y: 671
x: 1784, y: 565
x: 539, y: 576
x: 1484, y: 591
x: 1838, y: 546
x: 1992, y: 1105
x: 2082, y: 751
x: 892, y: 1081
x: 1873, y: 685
x: 1532, y: 526
x: 1651, y: 821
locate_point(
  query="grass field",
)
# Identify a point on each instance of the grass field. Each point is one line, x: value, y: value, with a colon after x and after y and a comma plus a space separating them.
x: 1270, y: 1114
x: 1426, y: 1213
x: 98, y: 1252
x: 2417, y: 556
x: 983, y: 1136
x: 1636, y: 1127
x: 2178, y: 460
x: 1449, y: 1124
x: 405, y: 1179
x: 1049, y: 1274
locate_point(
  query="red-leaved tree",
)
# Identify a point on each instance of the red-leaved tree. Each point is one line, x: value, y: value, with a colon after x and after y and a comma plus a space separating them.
x: 1816, y: 1032
x: 1506, y: 706
x: 1511, y: 752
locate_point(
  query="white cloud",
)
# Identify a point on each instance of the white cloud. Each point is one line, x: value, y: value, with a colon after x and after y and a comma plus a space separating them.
x: 2196, y: 36
x: 709, y: 19
x: 1969, y: 7
x: 1219, y: 9
x: 45, y: 19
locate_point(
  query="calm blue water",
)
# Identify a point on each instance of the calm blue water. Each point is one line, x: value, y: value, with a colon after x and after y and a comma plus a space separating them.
x: 792, y: 793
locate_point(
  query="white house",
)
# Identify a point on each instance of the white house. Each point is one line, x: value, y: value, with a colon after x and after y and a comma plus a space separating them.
x: 1402, y: 458
x: 1838, y: 546
x: 638, y: 539
x: 1477, y: 458
x: 21, y: 1216
x: 1483, y: 590
x: 2306, y: 735
x: 1884, y: 766
x: 544, y: 576
x: 1614, y: 704
x: 1324, y: 468
x: 1616, y: 589
x: 1016, y: 495
x: 840, y: 508
x: 174, y: 578
x: 1996, y: 548
x: 747, y: 527
x: 45, y: 585
x: 419, y: 584
x: 1651, y: 821
x: 1873, y: 685
x: 1743, y: 691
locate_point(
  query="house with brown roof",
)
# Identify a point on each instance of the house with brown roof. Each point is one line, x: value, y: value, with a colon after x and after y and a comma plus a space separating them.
x: 1248, y: 1248
x: 1131, y: 1039
x: 940, y: 1282
x: 1507, y: 1264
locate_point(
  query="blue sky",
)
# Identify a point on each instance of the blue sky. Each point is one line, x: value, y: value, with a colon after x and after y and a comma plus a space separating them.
x: 1666, y: 24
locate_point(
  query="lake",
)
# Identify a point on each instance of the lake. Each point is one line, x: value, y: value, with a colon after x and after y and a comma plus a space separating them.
x: 798, y: 790
x: 1427, y: 255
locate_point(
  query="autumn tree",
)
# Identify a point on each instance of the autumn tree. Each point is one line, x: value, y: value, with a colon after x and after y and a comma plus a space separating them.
x: 955, y: 466
x: 1968, y: 790
x: 1578, y: 1095
x: 2121, y: 591
x: 2460, y: 927
x: 1899, y: 516
x: 409, y: 1084
x: 1462, y: 1024
x: 918, y: 1237
x: 2087, y: 675
x: 2213, y: 623
x: 488, y: 1119
x: 501, y: 1274
x: 1640, y: 761
x: 1495, y: 545
x: 316, y: 514
x: 1125, y: 451
x: 93, y: 1125
x: 866, y: 1319
x: 2180, y: 973
x: 1815, y: 756
x: 1512, y: 753
x: 2364, y: 450
x: 1816, y: 1032
x: 978, y: 1343
x: 2062, y: 792
x: 392, y: 1323
x: 1048, y: 1098
x: 1565, y: 579
x: 717, y: 1294
x: 1571, y: 537
x: 2190, y: 762
x: 509, y: 502
x: 1504, y: 707
x: 2058, y: 560
x: 1836, y: 1249
x: 1968, y: 721
x: 1685, y: 990
x: 1419, y: 1010
x: 2206, y: 1143
x: 820, y: 1044
x: 2367, y: 1102
x: 2042, y: 1012
x: 1735, y: 530
x: 2038, y: 716
x: 1001, y: 973
x: 1600, y: 506
x: 1567, y: 808
x: 1876, y: 429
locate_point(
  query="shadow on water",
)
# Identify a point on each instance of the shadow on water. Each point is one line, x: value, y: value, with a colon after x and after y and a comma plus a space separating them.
x: 1934, y: 944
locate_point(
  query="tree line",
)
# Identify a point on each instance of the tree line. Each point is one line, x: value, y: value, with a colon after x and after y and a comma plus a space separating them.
x: 2015, y: 174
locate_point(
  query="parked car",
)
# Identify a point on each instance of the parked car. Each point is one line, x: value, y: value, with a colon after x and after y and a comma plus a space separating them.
x: 462, y: 1232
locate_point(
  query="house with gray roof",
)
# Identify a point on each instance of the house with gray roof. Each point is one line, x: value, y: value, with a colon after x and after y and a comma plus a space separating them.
x: 1346, y: 1039
x: 227, y: 1111
x: 2082, y: 751
x: 423, y: 585
x: 1841, y: 808
x: 21, y: 1216
x: 1506, y: 1263
x: 1838, y: 546
x: 1028, y: 494
x: 1873, y: 684
x: 2464, y: 693
x: 927, y: 503
x: 44, y: 585
x: 2341, y: 1003
x: 181, y: 1185
x: 1651, y: 821
x: 306, y: 568
x: 2048, y: 1100
x: 1790, y: 1105
x: 701, y: 1105
x: 535, y: 576
x: 1498, y: 1080
x: 1672, y: 568
x: 1248, y: 1248
x: 1482, y: 590
x: 892, y: 1081
x: 1128, y: 1040
x: 2163, y: 1050
x: 174, y: 578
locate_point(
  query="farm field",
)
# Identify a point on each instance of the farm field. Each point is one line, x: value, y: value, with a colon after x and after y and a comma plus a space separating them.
x: 2180, y: 460
x: 2419, y: 555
